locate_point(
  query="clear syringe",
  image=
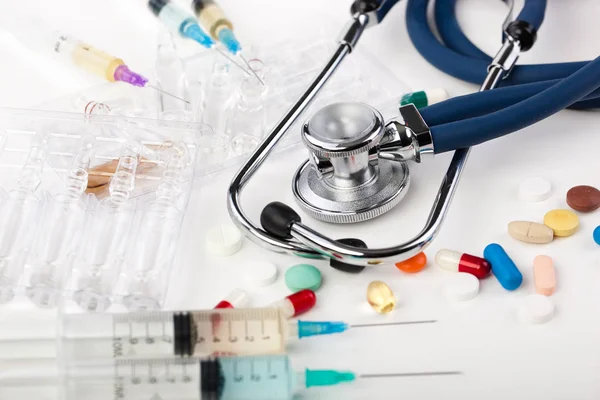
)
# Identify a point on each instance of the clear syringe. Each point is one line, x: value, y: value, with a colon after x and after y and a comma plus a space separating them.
x: 232, y: 378
x: 177, y: 20
x: 111, y: 68
x: 177, y: 333
x: 213, y: 19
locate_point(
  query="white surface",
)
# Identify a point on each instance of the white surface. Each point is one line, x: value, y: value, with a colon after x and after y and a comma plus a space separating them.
x: 535, y: 189
x: 223, y: 240
x: 501, y: 358
x: 536, y: 309
x: 461, y: 287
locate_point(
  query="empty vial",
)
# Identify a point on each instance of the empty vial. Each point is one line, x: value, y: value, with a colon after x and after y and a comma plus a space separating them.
x: 380, y: 297
x: 248, y: 120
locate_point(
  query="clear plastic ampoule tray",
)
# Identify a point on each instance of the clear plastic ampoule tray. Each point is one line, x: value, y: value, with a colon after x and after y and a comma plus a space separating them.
x: 91, y: 207
x: 215, y: 88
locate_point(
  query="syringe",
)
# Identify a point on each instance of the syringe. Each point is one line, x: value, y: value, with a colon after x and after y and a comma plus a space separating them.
x: 177, y: 333
x: 108, y: 67
x: 213, y: 19
x: 232, y: 378
x: 177, y: 20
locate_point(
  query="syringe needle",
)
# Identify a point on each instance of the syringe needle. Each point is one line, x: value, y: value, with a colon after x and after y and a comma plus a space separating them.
x: 253, y: 71
x: 167, y: 93
x: 221, y: 52
x: 411, y: 374
x: 428, y: 321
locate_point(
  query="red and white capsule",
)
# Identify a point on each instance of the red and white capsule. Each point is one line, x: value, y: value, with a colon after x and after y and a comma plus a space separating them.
x: 237, y: 298
x: 296, y: 303
x: 455, y: 261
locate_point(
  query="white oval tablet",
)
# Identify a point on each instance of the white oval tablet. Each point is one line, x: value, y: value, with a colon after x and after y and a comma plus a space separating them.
x: 536, y: 309
x: 534, y: 189
x: 260, y: 273
x: 461, y: 287
x: 223, y: 240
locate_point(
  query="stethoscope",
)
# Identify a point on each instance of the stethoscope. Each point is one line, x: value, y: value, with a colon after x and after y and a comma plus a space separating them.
x: 357, y: 167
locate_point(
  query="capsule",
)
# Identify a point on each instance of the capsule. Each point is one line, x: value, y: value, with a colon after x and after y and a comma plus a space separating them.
x: 462, y: 262
x: 503, y: 267
x: 296, y: 303
x: 237, y: 298
x: 380, y: 297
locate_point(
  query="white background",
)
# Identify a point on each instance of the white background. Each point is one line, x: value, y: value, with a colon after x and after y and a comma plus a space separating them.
x: 500, y: 357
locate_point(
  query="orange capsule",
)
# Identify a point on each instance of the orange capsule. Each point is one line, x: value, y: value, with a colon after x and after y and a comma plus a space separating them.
x: 413, y: 264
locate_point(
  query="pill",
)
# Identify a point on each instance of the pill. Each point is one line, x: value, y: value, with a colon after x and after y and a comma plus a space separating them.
x: 296, y: 303
x: 536, y: 309
x: 461, y: 287
x: 583, y: 198
x: 562, y: 222
x: 223, y: 240
x: 413, y: 264
x: 237, y: 298
x: 455, y: 261
x: 596, y: 235
x: 534, y: 189
x: 424, y: 98
x: 530, y: 232
x: 303, y: 276
x: 260, y: 273
x: 544, y: 276
x: 503, y: 267
x: 342, y: 266
x: 380, y: 297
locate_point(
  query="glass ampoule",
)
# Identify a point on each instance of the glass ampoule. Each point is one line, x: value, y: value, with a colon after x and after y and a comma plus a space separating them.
x: 150, y: 257
x: 170, y: 77
x: 218, y: 96
x: 57, y: 242
x: 19, y: 210
x: 248, y: 119
x: 106, y: 238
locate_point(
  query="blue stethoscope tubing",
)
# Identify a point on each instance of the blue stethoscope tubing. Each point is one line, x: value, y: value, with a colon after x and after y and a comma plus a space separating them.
x: 529, y: 94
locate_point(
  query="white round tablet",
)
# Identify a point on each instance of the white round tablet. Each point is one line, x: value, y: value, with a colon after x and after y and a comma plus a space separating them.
x: 223, y: 240
x: 461, y: 287
x: 534, y: 189
x: 260, y: 273
x: 536, y: 309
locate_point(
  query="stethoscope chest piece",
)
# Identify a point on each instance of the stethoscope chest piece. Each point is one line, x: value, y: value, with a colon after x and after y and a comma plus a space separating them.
x: 344, y: 180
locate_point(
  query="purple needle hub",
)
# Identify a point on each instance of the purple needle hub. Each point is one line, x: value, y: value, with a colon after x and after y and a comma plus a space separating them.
x: 124, y: 74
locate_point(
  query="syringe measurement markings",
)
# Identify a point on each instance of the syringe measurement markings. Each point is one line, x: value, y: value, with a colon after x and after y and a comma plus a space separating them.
x: 253, y: 376
x: 168, y: 377
x: 270, y: 374
x: 232, y: 339
x: 249, y: 338
x: 236, y: 376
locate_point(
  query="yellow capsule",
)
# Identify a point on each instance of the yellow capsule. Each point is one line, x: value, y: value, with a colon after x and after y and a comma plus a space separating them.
x: 380, y: 297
